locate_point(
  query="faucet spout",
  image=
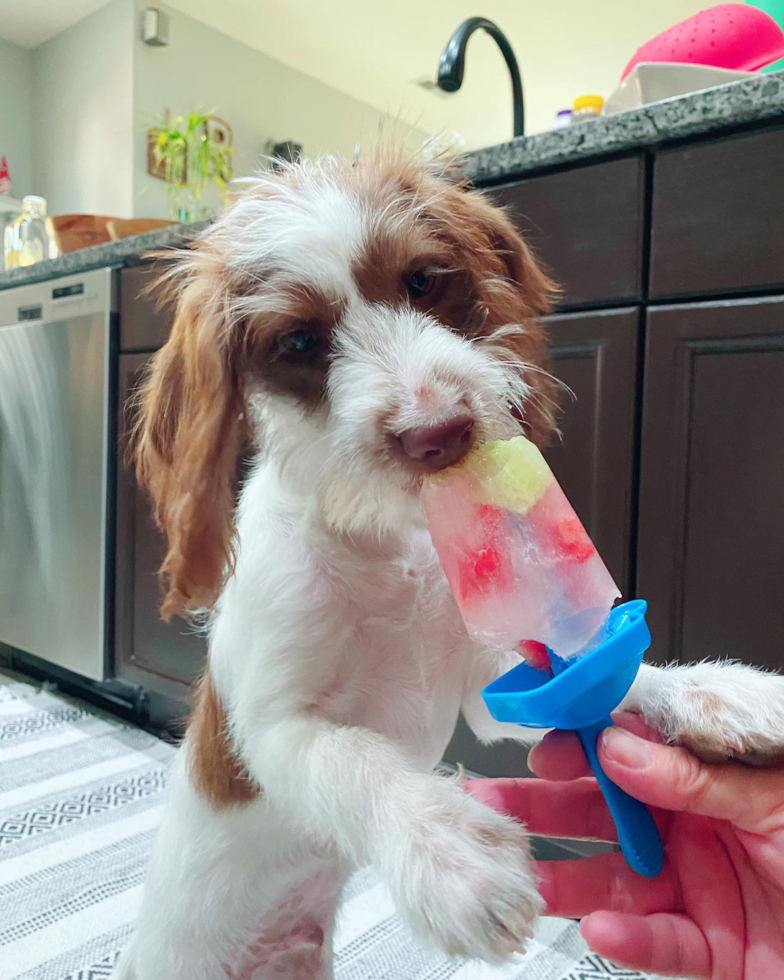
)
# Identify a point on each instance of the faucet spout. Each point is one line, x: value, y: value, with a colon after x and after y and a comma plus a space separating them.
x: 452, y: 65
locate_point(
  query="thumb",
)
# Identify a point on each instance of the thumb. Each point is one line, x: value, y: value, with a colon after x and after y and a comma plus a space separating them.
x: 672, y: 778
x: 662, y: 943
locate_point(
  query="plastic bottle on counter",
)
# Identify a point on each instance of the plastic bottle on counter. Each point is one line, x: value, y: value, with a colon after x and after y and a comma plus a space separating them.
x: 563, y: 118
x: 27, y: 239
x: 587, y: 107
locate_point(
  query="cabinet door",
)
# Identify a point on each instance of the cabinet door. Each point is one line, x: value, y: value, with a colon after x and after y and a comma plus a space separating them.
x: 711, y: 520
x: 164, y: 658
x: 587, y: 226
x: 718, y: 217
x: 595, y: 354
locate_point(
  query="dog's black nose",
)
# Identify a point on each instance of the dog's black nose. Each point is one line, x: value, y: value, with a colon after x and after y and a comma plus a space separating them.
x: 441, y: 445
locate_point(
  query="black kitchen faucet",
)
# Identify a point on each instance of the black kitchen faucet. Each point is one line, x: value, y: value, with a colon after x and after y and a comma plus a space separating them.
x: 452, y: 65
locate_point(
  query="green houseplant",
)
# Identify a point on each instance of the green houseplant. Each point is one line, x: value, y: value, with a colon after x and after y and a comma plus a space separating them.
x: 189, y: 159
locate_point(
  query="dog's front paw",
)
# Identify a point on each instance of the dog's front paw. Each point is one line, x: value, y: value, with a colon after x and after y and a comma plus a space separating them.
x: 463, y: 880
x: 720, y: 711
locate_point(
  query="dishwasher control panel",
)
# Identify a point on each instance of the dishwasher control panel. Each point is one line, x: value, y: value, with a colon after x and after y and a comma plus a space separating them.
x: 59, y: 299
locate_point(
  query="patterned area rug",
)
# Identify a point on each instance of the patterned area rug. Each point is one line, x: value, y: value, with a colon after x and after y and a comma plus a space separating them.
x: 80, y: 800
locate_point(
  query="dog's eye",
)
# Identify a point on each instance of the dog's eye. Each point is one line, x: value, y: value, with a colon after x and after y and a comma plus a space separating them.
x: 299, y: 342
x: 420, y: 283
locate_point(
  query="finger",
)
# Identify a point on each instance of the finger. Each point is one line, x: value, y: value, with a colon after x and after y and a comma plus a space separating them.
x: 659, y: 943
x: 560, y: 756
x: 577, y: 888
x: 672, y: 778
x: 575, y: 810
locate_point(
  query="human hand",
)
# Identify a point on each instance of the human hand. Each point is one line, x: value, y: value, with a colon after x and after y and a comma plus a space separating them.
x: 717, y: 909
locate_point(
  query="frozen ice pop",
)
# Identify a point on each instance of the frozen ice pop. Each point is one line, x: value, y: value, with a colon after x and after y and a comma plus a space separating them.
x: 520, y: 563
x: 525, y: 573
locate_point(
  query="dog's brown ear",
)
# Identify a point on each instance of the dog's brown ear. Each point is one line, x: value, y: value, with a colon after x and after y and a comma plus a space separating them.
x: 514, y: 292
x: 523, y: 269
x: 187, y: 441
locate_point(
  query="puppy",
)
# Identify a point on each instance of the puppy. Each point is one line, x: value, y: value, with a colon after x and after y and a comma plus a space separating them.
x: 362, y: 325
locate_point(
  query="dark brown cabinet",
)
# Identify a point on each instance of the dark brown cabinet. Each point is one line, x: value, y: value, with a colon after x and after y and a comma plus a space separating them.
x: 711, y: 520
x: 163, y: 658
x: 587, y: 226
x: 671, y: 455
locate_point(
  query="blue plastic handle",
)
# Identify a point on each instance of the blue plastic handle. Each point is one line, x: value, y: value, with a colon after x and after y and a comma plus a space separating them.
x: 579, y: 697
x: 637, y: 833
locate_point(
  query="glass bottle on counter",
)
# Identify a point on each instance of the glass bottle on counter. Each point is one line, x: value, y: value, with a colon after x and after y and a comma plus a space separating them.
x: 27, y: 239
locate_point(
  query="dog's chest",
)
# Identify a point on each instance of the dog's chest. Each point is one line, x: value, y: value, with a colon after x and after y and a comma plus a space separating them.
x: 402, y: 672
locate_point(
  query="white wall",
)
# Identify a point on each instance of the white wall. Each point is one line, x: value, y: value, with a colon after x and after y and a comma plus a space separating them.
x: 16, y: 123
x: 375, y: 50
x: 259, y: 97
x: 83, y: 114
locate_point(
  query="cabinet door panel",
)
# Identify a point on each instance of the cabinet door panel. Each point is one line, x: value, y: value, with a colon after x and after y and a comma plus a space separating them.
x: 711, y: 520
x: 587, y: 226
x: 596, y: 355
x: 718, y: 217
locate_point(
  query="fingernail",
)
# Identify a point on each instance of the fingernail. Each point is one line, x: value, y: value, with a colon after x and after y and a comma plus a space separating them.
x: 531, y: 760
x: 625, y: 749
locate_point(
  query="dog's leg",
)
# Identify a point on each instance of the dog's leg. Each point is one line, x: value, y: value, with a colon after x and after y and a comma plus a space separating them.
x: 458, y: 872
x: 718, y: 710
x: 218, y: 882
x: 483, y: 667
x: 294, y: 939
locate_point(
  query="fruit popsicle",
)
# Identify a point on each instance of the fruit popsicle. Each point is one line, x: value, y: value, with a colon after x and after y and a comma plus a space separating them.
x: 525, y: 573
x: 521, y: 566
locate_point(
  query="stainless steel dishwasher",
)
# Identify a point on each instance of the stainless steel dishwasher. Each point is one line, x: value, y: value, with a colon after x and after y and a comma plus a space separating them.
x: 54, y: 468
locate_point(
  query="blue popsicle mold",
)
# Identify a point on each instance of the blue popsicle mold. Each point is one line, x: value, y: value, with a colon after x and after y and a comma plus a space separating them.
x: 580, y: 696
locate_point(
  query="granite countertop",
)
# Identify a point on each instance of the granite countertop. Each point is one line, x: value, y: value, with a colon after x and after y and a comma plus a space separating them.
x: 710, y: 111
x: 127, y: 251
x: 756, y: 99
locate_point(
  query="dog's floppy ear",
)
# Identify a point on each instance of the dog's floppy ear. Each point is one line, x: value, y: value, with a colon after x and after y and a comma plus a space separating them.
x: 187, y: 441
x: 514, y: 292
x: 535, y: 287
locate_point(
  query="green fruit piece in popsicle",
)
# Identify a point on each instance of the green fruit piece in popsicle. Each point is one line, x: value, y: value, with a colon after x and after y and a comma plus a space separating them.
x: 512, y: 473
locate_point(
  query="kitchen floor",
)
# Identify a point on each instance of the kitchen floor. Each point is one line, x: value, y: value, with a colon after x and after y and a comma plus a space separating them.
x: 80, y: 800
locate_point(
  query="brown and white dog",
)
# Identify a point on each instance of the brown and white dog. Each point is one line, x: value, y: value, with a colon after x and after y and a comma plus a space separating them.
x: 363, y: 325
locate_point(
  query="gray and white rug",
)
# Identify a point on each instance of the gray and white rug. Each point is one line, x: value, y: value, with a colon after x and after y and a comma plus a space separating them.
x: 80, y: 800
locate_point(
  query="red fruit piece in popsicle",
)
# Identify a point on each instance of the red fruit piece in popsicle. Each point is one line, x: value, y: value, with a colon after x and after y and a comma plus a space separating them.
x: 535, y: 654
x: 561, y: 536
x: 489, y: 517
x: 488, y: 567
x: 571, y: 540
